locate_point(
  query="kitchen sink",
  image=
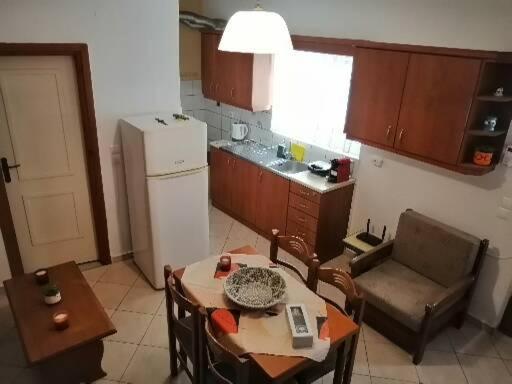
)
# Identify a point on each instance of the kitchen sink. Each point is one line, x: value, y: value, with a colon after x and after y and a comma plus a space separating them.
x: 287, y: 166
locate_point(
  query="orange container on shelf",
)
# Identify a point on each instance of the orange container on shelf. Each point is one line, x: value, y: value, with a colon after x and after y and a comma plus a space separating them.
x: 483, y: 156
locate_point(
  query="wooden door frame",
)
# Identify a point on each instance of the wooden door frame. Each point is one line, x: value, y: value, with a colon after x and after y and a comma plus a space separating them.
x: 80, y: 54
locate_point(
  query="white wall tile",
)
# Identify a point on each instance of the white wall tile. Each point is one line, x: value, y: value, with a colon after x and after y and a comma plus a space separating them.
x: 191, y: 102
x: 212, y: 119
x: 226, y: 124
x: 214, y: 133
x: 186, y: 87
x: 211, y: 105
x: 199, y: 114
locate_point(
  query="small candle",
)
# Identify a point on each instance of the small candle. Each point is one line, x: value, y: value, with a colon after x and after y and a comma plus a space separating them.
x: 225, y: 263
x: 60, y: 319
x: 42, y: 276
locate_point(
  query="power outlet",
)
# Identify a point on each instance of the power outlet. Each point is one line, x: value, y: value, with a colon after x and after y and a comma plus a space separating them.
x: 506, y: 202
x: 377, y: 162
x: 503, y: 213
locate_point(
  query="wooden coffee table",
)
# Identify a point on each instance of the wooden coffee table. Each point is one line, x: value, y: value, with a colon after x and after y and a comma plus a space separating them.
x: 74, y: 354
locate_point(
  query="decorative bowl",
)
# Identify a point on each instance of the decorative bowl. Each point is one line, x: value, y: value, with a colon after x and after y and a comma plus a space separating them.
x: 255, y: 287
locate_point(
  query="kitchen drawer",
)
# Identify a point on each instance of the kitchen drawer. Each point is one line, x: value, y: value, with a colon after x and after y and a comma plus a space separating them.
x: 304, y: 205
x: 302, y: 219
x: 294, y: 229
x: 304, y: 192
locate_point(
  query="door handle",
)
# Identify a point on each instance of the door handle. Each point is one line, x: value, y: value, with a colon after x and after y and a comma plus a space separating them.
x: 6, y: 169
x: 401, y: 135
x: 388, y: 131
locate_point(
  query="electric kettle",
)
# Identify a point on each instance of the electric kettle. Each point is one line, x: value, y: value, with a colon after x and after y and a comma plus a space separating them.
x: 239, y: 131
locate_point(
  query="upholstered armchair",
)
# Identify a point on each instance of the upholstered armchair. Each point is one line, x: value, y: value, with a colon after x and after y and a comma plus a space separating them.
x: 419, y: 282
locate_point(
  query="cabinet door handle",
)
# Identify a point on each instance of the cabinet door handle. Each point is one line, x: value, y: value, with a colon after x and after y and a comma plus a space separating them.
x: 402, y: 132
x: 388, y: 131
x: 260, y: 175
x: 232, y: 92
x: 217, y: 87
x: 304, y: 193
x: 229, y: 161
x: 301, y: 219
x: 303, y: 205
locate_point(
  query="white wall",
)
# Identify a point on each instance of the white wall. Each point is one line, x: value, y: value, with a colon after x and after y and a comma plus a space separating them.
x: 469, y: 203
x: 133, y: 48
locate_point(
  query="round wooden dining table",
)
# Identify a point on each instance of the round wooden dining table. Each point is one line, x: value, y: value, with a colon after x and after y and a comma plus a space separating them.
x: 281, y: 368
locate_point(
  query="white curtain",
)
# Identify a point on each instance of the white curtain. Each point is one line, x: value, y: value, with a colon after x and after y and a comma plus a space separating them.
x: 310, y: 96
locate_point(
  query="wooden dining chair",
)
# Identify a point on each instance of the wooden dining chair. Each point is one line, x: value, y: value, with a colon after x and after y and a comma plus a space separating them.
x: 342, y: 360
x: 219, y: 363
x: 183, y: 329
x: 298, y: 248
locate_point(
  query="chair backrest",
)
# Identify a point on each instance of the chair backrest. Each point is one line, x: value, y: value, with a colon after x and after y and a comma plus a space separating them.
x: 174, y: 298
x: 298, y: 248
x: 354, y: 307
x: 442, y: 253
x: 223, y: 366
x: 354, y: 301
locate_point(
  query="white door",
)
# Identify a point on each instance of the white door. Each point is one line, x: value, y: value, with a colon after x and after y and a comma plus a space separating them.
x: 40, y: 130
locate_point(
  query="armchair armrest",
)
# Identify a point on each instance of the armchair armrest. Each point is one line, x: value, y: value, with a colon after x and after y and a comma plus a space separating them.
x: 366, y: 261
x: 450, y: 296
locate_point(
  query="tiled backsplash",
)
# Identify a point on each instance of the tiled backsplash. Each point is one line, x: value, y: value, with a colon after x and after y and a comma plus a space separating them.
x: 220, y: 118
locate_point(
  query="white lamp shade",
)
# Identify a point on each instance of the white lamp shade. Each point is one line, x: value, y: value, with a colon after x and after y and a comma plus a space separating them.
x: 256, y: 31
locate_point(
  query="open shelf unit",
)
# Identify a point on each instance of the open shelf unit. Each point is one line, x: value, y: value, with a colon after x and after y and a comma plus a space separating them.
x: 493, y: 75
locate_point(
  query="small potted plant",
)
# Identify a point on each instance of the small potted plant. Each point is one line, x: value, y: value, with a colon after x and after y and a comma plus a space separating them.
x: 51, y: 294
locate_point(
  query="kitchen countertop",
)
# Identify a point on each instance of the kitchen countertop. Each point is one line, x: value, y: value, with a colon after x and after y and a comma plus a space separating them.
x: 263, y: 155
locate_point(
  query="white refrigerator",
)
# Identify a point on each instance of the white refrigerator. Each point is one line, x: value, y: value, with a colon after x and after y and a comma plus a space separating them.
x: 167, y: 184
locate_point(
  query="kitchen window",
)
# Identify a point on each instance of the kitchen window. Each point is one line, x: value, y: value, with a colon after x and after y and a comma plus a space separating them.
x: 310, y: 98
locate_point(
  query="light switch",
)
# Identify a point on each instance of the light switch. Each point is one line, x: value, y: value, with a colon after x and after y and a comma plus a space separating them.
x: 503, y: 213
x: 506, y: 202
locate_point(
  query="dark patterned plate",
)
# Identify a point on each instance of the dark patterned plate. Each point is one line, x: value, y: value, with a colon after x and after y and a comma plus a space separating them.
x: 255, y: 287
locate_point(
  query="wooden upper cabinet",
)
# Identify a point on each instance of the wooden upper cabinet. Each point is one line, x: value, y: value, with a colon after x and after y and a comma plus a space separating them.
x: 378, y: 80
x: 239, y: 79
x: 437, y: 98
x: 209, y: 44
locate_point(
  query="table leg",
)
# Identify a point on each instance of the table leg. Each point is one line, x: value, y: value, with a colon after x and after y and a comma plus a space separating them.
x: 80, y: 365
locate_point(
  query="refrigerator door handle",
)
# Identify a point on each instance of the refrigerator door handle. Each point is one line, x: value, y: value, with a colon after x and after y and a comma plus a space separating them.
x: 177, y: 174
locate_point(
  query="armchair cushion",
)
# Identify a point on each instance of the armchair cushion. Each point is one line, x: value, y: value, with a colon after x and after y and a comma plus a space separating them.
x: 399, y: 291
x: 433, y: 249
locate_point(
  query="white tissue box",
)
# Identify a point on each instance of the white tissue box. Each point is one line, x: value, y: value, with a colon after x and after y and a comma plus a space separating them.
x: 298, y: 319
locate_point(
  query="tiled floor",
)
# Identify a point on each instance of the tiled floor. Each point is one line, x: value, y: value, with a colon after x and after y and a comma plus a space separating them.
x: 138, y: 352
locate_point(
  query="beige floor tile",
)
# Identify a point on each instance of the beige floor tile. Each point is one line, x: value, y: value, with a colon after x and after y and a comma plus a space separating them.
x: 361, y: 361
x: 381, y: 380
x: 94, y: 274
x: 11, y: 350
x: 123, y: 272
x: 216, y: 245
x: 508, y: 363
x: 143, y: 300
x: 484, y: 370
x: 357, y: 379
x: 372, y: 336
x: 472, y: 340
x: 162, y: 310
x: 109, y: 311
x: 342, y: 261
x: 29, y: 376
x: 116, y: 358
x: 110, y: 295
x: 441, y: 343
x: 142, y: 282
x: 131, y: 327
x: 157, y: 335
x: 503, y: 344
x: 240, y: 231
x: 8, y: 373
x: 263, y: 246
x: 391, y: 362
x: 220, y: 226
x: 440, y: 368
x: 149, y: 365
x: 234, y: 243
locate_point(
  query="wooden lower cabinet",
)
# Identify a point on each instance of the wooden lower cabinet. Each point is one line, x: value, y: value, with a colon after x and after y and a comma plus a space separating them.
x: 264, y: 201
x: 272, y: 202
